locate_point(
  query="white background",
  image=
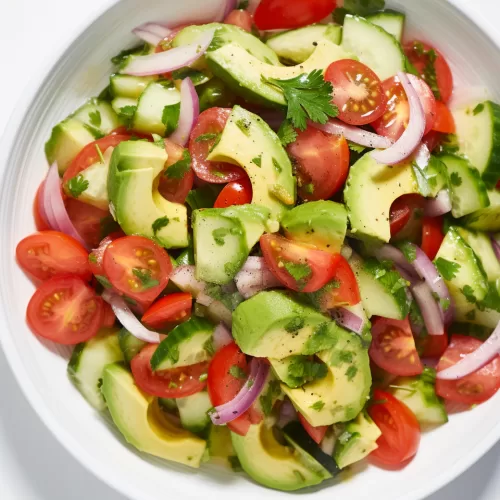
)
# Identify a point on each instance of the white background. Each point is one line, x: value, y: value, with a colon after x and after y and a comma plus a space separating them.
x: 33, y: 465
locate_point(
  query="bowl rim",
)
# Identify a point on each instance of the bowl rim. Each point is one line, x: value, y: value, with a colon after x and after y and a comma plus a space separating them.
x: 13, y: 357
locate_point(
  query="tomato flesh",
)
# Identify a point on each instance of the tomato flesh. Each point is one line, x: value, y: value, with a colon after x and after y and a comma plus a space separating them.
x: 316, y: 433
x: 65, y: 310
x: 169, y: 311
x: 432, y: 236
x: 393, y: 347
x: 400, y: 437
x: 175, y: 383
x: 445, y: 123
x: 40, y: 223
x: 298, y: 267
x: 476, y: 387
x: 432, y: 346
x: 405, y: 211
x: 235, y: 193
x: 241, y: 18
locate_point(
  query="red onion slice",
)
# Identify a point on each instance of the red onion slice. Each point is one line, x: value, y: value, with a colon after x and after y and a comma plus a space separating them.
x: 429, y: 308
x: 496, y: 247
x: 475, y: 360
x: 254, y: 277
x: 413, y: 134
x: 45, y: 208
x: 440, y: 205
x: 422, y: 156
x: 354, y: 134
x: 254, y: 264
x: 393, y: 254
x: 230, y: 6
x: 190, y: 110
x: 287, y: 414
x: 222, y: 337
x: 259, y: 370
x: 204, y: 299
x: 127, y: 318
x: 164, y: 62
x: 147, y: 36
x: 159, y: 30
x: 55, y: 208
x: 348, y: 320
x: 185, y: 278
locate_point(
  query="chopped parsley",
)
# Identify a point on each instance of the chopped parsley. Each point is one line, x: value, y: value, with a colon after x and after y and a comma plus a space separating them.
x: 318, y: 406
x: 300, y: 272
x: 159, y: 224
x: 95, y: 118
x: 286, y: 133
x: 144, y: 276
x: 351, y: 372
x: 409, y: 250
x: 446, y: 268
x: 295, y: 324
x: 104, y: 281
x: 257, y: 161
x: 308, y: 97
x: 77, y: 185
x: 478, y: 109
x: 237, y: 372
x: 180, y: 168
x: 170, y: 117
x: 455, y: 179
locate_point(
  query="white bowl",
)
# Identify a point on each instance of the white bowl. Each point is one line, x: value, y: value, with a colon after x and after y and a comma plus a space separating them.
x: 40, y: 367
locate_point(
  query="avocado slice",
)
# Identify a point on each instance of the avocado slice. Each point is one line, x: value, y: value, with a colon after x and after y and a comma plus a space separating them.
x: 370, y: 190
x: 243, y: 73
x: 274, y: 325
x: 319, y: 223
x: 248, y: 141
x: 272, y: 464
x: 142, y: 422
x: 134, y: 199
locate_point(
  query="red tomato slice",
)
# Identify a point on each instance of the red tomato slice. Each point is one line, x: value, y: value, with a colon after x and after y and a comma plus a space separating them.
x: 96, y: 256
x: 235, y: 193
x: 50, y: 253
x: 176, y: 383
x: 405, y: 209
x: 357, y: 92
x: 476, y: 387
x: 428, y: 61
x: 433, y: 139
x: 40, y: 222
x: 432, y: 346
x: 445, y: 123
x: 169, y: 311
x: 298, y: 267
x: 175, y: 184
x: 137, y: 267
x: 393, y: 347
x: 203, y: 136
x: 321, y: 162
x: 397, y: 113
x: 240, y: 18
x: 289, y: 14
x: 400, y: 437
x: 108, y: 316
x: 316, y: 433
x: 432, y: 236
x: 65, y: 310
x: 223, y: 386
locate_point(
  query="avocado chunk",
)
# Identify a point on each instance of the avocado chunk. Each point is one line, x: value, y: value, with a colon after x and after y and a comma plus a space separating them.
x: 87, y: 364
x: 319, y: 223
x: 296, y: 46
x: 485, y: 219
x: 142, y: 422
x: 249, y: 142
x: 134, y: 199
x: 419, y: 394
x: 243, y: 73
x: 357, y: 441
x: 343, y: 392
x: 187, y: 344
x: 220, y: 448
x: 273, y: 324
x: 272, y: 464
x: 370, y: 191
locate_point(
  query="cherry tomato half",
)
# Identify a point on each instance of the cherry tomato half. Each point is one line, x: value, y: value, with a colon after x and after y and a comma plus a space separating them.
x: 393, y: 347
x: 40, y: 223
x: 169, y: 311
x: 432, y: 236
x: 431, y: 346
x: 96, y: 256
x: 445, y: 123
x: 316, y: 433
x: 65, y: 310
x: 241, y: 18
x: 321, y: 162
x: 235, y: 193
x: 405, y: 211
x: 357, y: 92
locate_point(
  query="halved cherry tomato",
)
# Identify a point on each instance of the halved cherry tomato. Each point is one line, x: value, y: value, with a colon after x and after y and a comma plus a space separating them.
x: 50, y: 253
x: 108, y: 316
x: 400, y: 437
x: 96, y: 256
x: 175, y: 383
x: 476, y: 387
x: 428, y: 61
x: 405, y: 209
x: 393, y: 347
x: 321, y: 162
x: 289, y: 14
x: 432, y: 236
x: 316, y: 433
x: 223, y: 386
x: 397, y: 113
x: 40, y: 223
x: 433, y: 139
x: 235, y: 193
x: 357, y: 92
x: 169, y: 311
x: 445, y: 123
x: 241, y: 18
x: 298, y: 267
x: 66, y: 310
x: 209, y: 125
x: 431, y: 346
x: 137, y: 267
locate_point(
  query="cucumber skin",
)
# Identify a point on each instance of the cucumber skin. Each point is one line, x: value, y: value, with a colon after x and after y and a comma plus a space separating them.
x: 491, y: 175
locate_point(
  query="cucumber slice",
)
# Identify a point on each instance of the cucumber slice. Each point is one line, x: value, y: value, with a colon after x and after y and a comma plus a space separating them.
x: 478, y: 133
x: 129, y: 86
x: 118, y: 103
x: 98, y: 116
x: 129, y: 345
x: 486, y: 219
x: 391, y: 21
x: 193, y: 411
x: 374, y: 47
x: 467, y: 190
x: 87, y: 364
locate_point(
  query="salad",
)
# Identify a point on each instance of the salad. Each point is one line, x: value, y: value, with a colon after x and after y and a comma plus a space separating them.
x: 271, y: 240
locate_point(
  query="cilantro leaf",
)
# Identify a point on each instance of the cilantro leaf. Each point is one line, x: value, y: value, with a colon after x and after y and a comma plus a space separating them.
x: 351, y: 372
x: 103, y: 281
x: 144, y: 276
x: 409, y: 250
x: 209, y: 347
x: 170, y: 117
x: 478, y: 109
x: 206, y: 137
x: 77, y: 185
x: 295, y: 324
x: 468, y: 293
x: 340, y: 357
x: 324, y: 337
x: 355, y: 147
x: 230, y: 300
x: 446, y: 268
x: 267, y: 400
x: 429, y: 72
x: 455, y: 179
x: 95, y: 118
x: 302, y: 370
x: 195, y: 76
x: 126, y: 114
x: 237, y: 372
x: 308, y: 97
x: 180, y: 168
x: 159, y: 224
x: 299, y: 272
x: 244, y: 126
x: 287, y: 133
x: 318, y: 406
x: 364, y: 7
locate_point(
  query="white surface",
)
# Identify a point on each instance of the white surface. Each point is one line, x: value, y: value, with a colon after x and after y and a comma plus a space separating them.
x: 33, y: 465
